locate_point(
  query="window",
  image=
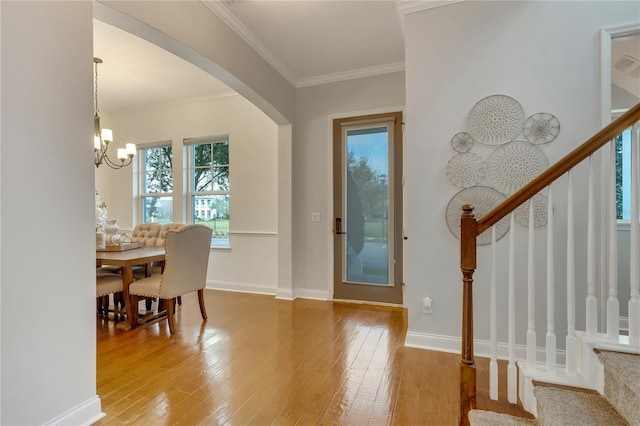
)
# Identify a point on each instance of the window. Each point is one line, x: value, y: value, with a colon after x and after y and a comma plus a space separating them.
x: 157, y: 185
x: 209, y: 186
x: 623, y: 175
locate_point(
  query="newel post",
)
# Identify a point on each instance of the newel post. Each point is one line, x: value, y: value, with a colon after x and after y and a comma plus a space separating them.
x: 468, y: 228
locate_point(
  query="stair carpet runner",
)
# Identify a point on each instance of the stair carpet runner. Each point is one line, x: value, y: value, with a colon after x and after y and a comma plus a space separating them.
x: 619, y: 405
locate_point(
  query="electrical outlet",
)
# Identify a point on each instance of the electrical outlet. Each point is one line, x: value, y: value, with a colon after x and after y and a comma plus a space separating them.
x: 427, y: 305
x: 315, y: 217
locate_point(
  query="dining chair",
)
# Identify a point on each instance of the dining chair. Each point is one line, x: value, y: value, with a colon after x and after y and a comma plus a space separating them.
x: 146, y: 232
x: 185, y: 271
x: 107, y: 284
x: 140, y: 272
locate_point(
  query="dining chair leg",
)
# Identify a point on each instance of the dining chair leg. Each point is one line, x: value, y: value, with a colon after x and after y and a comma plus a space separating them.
x: 105, y: 306
x: 118, y: 306
x: 203, y: 311
x: 171, y: 318
x: 179, y: 299
x: 133, y: 300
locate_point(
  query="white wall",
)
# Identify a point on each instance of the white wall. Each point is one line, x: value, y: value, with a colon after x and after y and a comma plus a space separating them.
x: 544, y: 54
x: 251, y: 264
x: 315, y: 107
x: 47, y: 282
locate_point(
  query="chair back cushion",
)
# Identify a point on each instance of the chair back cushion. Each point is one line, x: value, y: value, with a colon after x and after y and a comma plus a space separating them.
x: 163, y: 232
x: 186, y: 260
x: 146, y: 233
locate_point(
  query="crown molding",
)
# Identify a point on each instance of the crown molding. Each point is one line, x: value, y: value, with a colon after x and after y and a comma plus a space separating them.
x: 405, y: 7
x: 222, y: 12
x: 351, y: 74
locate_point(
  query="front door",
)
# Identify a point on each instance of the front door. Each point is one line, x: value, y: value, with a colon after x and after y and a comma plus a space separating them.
x: 367, y: 181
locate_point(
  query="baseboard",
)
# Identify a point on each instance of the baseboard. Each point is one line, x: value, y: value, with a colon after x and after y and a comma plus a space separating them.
x: 285, y: 294
x: 86, y: 413
x: 305, y: 293
x: 452, y: 344
x: 241, y: 287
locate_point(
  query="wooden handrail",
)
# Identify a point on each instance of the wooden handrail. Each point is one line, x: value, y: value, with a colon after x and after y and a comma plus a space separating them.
x: 470, y: 229
x: 568, y: 162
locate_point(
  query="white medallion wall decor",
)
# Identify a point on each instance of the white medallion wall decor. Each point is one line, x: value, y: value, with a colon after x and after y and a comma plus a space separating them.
x: 499, y: 121
x: 496, y: 119
x: 515, y: 164
x: 539, y: 211
x: 541, y: 128
x: 465, y: 169
x: 483, y: 199
x: 462, y: 142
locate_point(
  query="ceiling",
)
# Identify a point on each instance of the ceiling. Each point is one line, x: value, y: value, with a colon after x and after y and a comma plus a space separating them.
x: 307, y: 41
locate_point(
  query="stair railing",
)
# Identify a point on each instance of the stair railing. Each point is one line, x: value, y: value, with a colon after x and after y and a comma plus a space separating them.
x: 470, y: 229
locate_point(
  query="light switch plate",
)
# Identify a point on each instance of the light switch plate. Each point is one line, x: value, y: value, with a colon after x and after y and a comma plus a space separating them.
x: 315, y: 217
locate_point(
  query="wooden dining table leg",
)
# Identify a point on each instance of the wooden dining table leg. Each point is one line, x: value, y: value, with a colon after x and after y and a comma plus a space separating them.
x: 127, y: 279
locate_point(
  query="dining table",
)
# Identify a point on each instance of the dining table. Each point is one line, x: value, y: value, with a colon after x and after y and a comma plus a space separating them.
x: 126, y: 260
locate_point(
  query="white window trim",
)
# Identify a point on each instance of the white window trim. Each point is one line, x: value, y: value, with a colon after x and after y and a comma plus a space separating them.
x: 141, y: 173
x: 189, y: 144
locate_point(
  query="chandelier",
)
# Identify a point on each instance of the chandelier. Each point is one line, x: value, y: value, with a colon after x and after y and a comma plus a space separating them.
x: 102, y: 137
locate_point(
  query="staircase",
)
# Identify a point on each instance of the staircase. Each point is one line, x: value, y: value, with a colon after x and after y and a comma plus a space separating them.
x: 619, y: 404
x: 593, y: 378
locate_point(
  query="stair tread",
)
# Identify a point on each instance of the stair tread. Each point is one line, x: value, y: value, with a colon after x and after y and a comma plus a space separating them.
x: 489, y: 418
x: 622, y: 383
x: 562, y: 407
x: 625, y: 366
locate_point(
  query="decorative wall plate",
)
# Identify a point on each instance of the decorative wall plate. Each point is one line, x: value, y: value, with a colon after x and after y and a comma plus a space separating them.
x: 541, y: 128
x: 513, y: 165
x: 539, y: 211
x: 483, y: 199
x: 462, y: 142
x: 465, y: 169
x: 496, y: 119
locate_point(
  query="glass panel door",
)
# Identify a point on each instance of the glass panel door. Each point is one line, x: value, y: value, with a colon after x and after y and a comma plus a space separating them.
x: 367, y: 198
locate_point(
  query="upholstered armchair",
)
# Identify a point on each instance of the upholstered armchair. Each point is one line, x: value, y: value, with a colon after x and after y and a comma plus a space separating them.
x: 185, y: 271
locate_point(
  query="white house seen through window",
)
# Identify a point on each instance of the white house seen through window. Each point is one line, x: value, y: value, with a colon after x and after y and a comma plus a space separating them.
x: 209, y: 187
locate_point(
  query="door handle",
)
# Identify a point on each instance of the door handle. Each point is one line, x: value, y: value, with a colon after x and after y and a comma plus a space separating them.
x: 339, y: 227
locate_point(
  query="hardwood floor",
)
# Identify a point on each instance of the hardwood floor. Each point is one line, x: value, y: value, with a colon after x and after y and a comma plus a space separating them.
x: 262, y: 361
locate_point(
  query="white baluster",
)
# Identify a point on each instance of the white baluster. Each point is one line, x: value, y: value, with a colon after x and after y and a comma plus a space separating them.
x: 571, y: 341
x: 551, y: 325
x: 531, y: 293
x: 613, y: 306
x: 493, y: 327
x: 634, y: 253
x: 592, y: 301
x: 512, y: 372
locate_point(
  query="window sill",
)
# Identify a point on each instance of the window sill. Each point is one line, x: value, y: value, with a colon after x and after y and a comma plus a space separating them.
x: 221, y: 248
x: 624, y: 225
